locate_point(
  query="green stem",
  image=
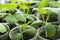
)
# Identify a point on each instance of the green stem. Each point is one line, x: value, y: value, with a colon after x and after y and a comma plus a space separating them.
x: 46, y: 22
x: 21, y: 33
x: 2, y: 17
x: 43, y: 18
x: 47, y: 18
x: 20, y: 28
x: 27, y: 13
x: 46, y: 33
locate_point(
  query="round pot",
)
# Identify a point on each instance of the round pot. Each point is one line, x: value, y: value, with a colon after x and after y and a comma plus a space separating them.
x: 5, y: 35
x: 41, y: 34
x: 26, y: 35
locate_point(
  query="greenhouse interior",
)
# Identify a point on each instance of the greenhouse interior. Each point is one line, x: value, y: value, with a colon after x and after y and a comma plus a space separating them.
x: 29, y: 19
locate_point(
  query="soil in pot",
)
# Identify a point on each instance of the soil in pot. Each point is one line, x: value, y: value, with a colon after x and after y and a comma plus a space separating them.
x: 11, y: 26
x: 8, y: 38
x: 2, y: 20
x: 2, y: 34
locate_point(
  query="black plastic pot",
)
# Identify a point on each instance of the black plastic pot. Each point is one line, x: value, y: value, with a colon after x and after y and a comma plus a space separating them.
x: 41, y: 34
x: 26, y: 34
x: 5, y: 35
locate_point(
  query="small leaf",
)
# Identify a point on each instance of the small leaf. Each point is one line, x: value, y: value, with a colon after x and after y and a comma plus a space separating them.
x: 24, y: 26
x: 50, y: 29
x: 23, y: 6
x: 11, y: 19
x: 36, y: 23
x: 2, y: 28
x: 42, y: 11
x: 29, y: 22
x: 30, y: 18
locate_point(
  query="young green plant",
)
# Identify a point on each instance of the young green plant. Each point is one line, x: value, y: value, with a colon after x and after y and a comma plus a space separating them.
x: 49, y: 28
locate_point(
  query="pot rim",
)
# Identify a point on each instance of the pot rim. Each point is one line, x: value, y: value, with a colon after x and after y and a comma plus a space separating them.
x: 11, y: 31
x: 39, y: 33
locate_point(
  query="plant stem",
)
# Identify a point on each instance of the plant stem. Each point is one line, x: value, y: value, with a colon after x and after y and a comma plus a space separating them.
x: 3, y: 17
x: 37, y: 16
x: 46, y: 33
x: 46, y: 22
x: 27, y: 13
x: 47, y: 17
x: 21, y: 33
x: 20, y: 28
x: 43, y: 18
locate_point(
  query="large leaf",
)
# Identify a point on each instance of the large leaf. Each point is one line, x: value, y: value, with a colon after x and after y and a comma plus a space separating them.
x: 17, y: 36
x: 2, y: 28
x: 11, y: 19
x: 50, y: 30
x: 20, y: 17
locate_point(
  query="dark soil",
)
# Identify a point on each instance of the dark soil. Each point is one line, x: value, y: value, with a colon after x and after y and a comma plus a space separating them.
x: 26, y: 36
x: 2, y: 33
x: 11, y: 26
x: 2, y: 21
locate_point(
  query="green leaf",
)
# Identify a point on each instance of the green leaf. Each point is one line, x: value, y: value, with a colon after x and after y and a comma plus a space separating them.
x: 36, y: 23
x: 11, y: 19
x: 2, y: 28
x: 55, y: 4
x: 24, y: 26
x: 41, y: 6
x: 30, y: 18
x: 50, y: 30
x: 20, y: 17
x: 13, y: 1
x: 26, y: 3
x: 8, y: 6
x: 17, y: 36
x: 42, y: 11
x: 23, y: 6
x: 29, y: 32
